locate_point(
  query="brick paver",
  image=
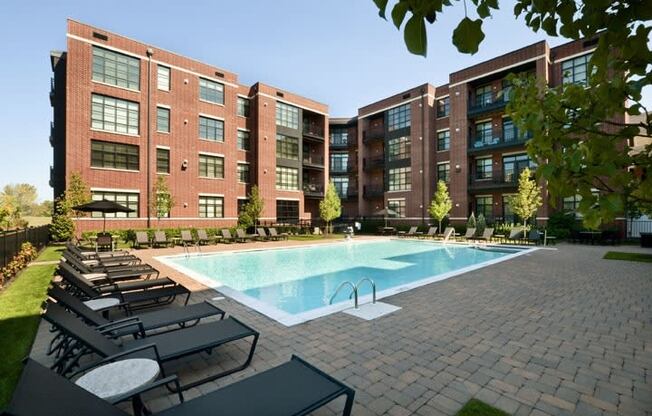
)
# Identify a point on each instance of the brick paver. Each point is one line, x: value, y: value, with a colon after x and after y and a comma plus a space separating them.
x: 549, y: 333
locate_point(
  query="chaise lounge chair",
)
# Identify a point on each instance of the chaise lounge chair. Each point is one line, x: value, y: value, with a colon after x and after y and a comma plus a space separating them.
x: 187, y: 238
x: 242, y: 237
x: 226, y: 236
x: 203, y: 238
x: 515, y: 235
x: 410, y: 233
x: 262, y: 235
x: 448, y: 233
x: 133, y: 299
x: 432, y: 232
x: 180, y: 317
x: 166, y: 347
x: 469, y: 234
x: 487, y: 235
x: 100, y: 256
x: 295, y: 388
x: 115, y: 273
x: 161, y: 240
x: 278, y: 236
x: 142, y: 239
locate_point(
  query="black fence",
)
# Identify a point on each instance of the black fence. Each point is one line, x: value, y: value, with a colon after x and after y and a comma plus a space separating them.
x: 10, y: 241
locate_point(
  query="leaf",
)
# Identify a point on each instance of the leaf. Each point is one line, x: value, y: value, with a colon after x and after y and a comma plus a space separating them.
x: 550, y: 26
x: 483, y: 10
x: 468, y: 35
x: 382, y: 6
x: 398, y: 13
x: 415, y: 35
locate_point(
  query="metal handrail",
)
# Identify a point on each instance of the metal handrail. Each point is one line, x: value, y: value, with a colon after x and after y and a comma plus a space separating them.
x: 353, y: 288
x: 373, y: 287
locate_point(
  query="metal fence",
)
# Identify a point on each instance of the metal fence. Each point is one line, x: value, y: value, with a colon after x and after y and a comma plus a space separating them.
x: 10, y: 241
x: 636, y: 226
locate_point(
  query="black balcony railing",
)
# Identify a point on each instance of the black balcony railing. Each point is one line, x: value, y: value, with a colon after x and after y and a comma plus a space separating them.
x: 496, y: 181
x: 339, y: 168
x: 312, y: 190
x: 509, y: 138
x: 313, y: 130
x: 373, y: 191
x: 339, y: 144
x: 377, y: 133
x: 482, y: 106
x: 52, y: 133
x: 313, y: 160
x: 375, y: 163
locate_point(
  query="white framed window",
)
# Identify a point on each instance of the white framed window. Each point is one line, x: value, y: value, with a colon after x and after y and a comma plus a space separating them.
x: 163, y: 78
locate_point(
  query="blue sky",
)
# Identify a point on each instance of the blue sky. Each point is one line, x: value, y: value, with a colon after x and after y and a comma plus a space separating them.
x: 338, y: 52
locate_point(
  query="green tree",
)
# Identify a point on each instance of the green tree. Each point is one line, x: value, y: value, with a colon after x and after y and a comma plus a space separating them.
x: 162, y: 200
x: 481, y: 225
x: 62, y: 227
x: 330, y: 207
x: 528, y: 199
x: 471, y: 223
x: 44, y: 209
x: 19, y: 198
x: 556, y: 117
x: 441, y: 203
x: 77, y: 193
x: 253, y: 209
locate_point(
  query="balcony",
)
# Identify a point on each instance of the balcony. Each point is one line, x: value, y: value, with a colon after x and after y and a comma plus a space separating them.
x: 312, y: 190
x: 373, y: 191
x: 488, y: 106
x: 509, y: 138
x: 352, y: 192
x: 51, y: 181
x: 52, y: 91
x: 340, y: 144
x: 497, y: 181
x: 52, y: 133
x: 313, y: 131
x: 313, y: 161
x: 339, y: 169
x: 371, y: 164
x: 373, y: 134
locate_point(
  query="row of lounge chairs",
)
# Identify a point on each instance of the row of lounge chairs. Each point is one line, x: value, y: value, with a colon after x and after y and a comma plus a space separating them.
x: 516, y: 235
x: 87, y: 338
x: 160, y: 239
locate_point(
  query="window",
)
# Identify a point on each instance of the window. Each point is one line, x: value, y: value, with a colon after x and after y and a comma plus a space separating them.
x: 574, y: 70
x: 508, y: 213
x: 287, y: 116
x: 513, y: 165
x: 572, y: 203
x: 397, y: 205
x: 127, y: 199
x: 484, y: 206
x: 211, y: 91
x: 211, y: 129
x: 287, y: 178
x: 483, y: 95
x: 287, y: 147
x: 242, y: 203
x: 339, y: 162
x: 509, y: 131
x: 162, y: 160
x: 163, y: 78
x: 483, y: 168
x: 398, y: 117
x: 339, y: 136
x: 162, y: 120
x: 287, y: 211
x: 243, y: 172
x: 443, y: 172
x: 243, y: 107
x: 114, y: 155
x: 114, y: 115
x: 211, y: 166
x: 443, y: 107
x: 443, y: 140
x: 400, y: 179
x: 341, y: 185
x: 211, y: 206
x: 244, y: 142
x: 398, y: 148
x: 116, y: 69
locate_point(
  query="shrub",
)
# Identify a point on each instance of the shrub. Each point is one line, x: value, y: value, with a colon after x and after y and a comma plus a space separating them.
x: 562, y: 223
x: 26, y: 254
x: 471, y: 223
x: 62, y: 228
x: 481, y: 225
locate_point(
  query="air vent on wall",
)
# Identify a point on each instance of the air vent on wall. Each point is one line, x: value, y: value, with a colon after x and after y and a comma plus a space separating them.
x: 219, y: 74
x: 405, y: 96
x: 279, y: 94
x: 100, y: 36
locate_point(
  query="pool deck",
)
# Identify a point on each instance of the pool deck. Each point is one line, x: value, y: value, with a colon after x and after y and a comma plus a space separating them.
x: 552, y: 332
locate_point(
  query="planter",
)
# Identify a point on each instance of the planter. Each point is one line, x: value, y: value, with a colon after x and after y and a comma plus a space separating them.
x: 646, y: 239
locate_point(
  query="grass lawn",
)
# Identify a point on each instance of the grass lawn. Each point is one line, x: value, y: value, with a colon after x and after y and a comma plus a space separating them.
x: 621, y: 255
x: 20, y: 309
x: 477, y: 408
x: 50, y: 253
x: 310, y: 237
x: 36, y: 221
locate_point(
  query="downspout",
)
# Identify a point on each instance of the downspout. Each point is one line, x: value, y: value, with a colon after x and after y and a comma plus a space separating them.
x: 423, y: 157
x: 150, y: 52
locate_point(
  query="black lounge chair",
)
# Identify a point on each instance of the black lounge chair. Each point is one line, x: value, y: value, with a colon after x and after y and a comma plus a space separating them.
x: 187, y: 238
x: 142, y: 239
x: 469, y: 234
x: 432, y: 232
x: 242, y: 237
x: 226, y: 236
x: 115, y: 272
x: 448, y: 233
x: 160, y: 239
x: 168, y: 346
x: 410, y: 233
x: 105, y: 283
x: 101, y: 255
x: 487, y: 235
x: 295, y: 388
x: 203, y: 238
x: 262, y: 234
x: 534, y: 237
x: 515, y: 235
x: 278, y: 236
x: 134, y: 299
x: 181, y: 317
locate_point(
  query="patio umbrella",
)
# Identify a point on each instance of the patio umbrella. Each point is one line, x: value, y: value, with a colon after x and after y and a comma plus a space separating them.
x: 386, y: 212
x: 104, y: 206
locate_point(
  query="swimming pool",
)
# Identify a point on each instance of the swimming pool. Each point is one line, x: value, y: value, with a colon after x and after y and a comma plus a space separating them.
x: 293, y: 285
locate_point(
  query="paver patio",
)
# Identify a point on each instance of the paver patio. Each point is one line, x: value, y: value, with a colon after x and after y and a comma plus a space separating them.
x: 554, y: 332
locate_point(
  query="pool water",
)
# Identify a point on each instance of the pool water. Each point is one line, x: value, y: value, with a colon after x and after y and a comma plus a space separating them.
x: 288, y: 284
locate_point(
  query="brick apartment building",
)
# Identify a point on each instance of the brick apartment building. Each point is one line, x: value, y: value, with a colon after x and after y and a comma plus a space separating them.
x: 394, y: 151
x: 126, y: 112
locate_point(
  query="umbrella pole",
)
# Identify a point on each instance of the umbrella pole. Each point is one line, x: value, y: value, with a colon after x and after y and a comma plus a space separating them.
x: 104, y: 227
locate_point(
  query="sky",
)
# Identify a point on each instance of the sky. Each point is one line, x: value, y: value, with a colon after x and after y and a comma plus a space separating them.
x: 338, y: 52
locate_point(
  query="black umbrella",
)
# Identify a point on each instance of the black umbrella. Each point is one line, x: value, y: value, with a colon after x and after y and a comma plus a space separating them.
x: 386, y: 212
x: 104, y: 206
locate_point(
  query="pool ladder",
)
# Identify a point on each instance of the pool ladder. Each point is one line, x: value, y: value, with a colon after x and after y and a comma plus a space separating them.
x: 354, y: 290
